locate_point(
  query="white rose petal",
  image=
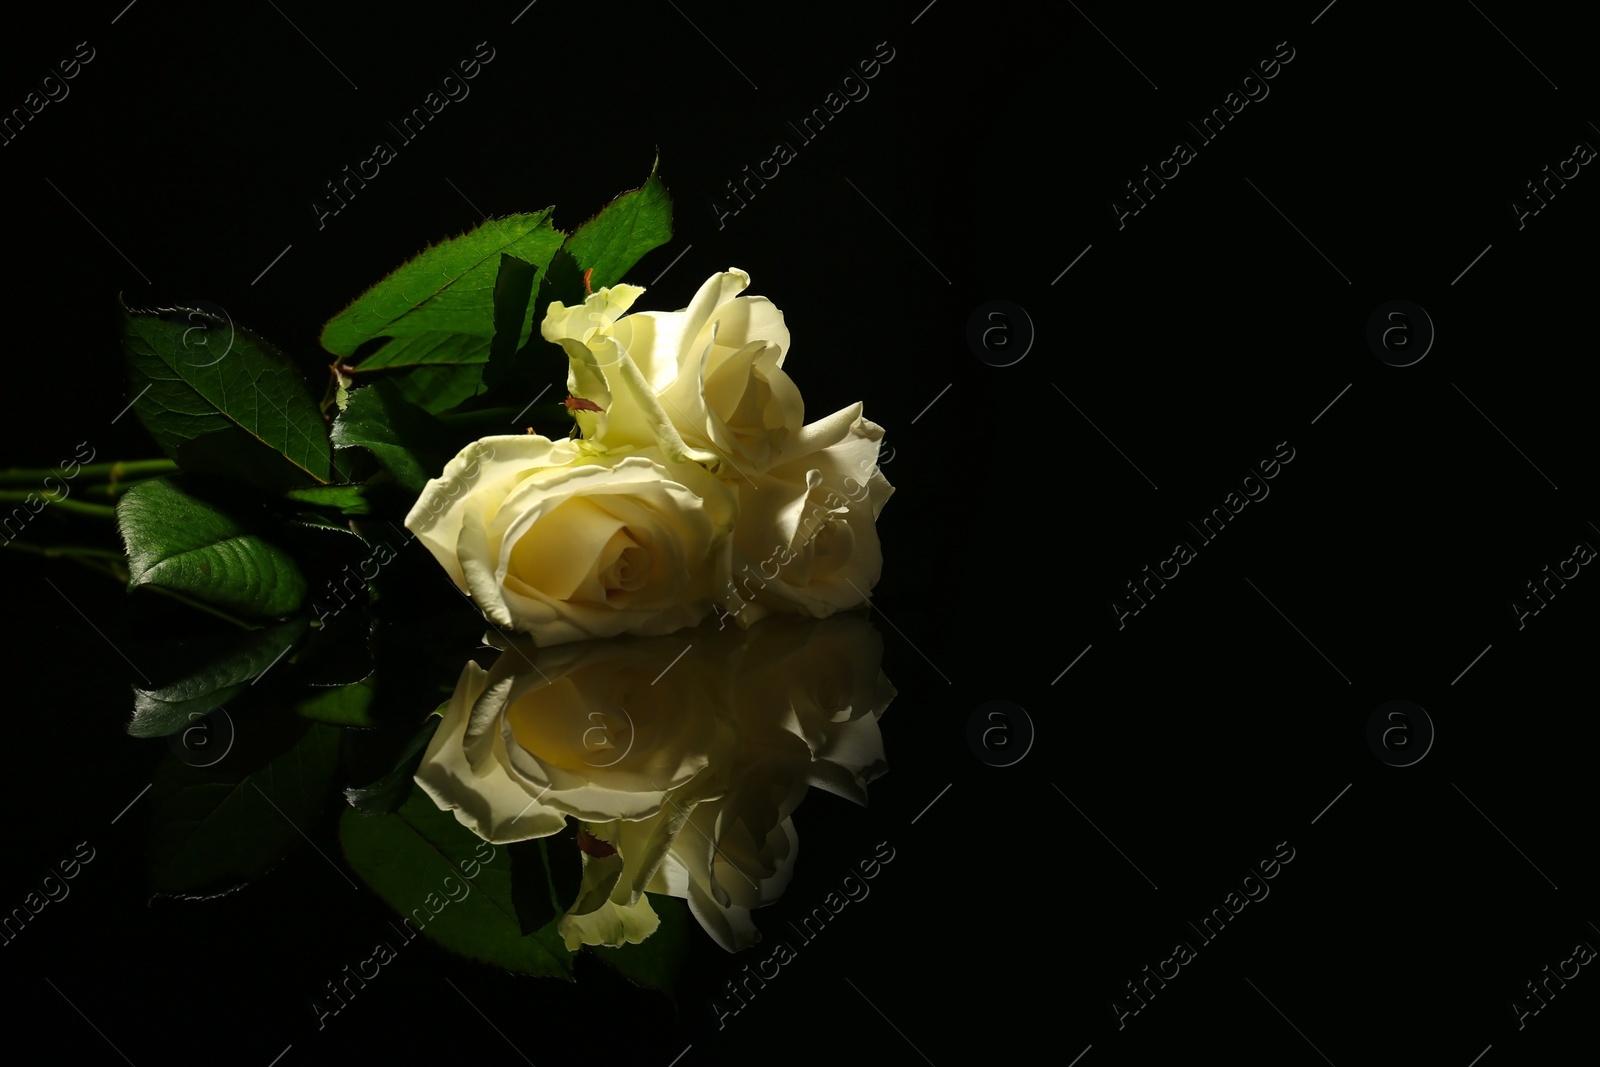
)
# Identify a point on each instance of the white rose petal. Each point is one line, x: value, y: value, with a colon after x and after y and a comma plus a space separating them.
x: 807, y: 539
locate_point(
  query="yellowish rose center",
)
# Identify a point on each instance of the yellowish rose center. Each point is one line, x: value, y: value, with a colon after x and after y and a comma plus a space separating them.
x: 582, y: 553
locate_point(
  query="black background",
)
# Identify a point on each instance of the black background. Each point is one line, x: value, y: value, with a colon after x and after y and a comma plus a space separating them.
x: 1192, y: 342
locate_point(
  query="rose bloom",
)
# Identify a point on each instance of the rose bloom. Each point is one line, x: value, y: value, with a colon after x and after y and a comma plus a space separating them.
x: 683, y: 770
x: 807, y: 539
x: 707, y: 382
x: 567, y: 540
x: 710, y: 376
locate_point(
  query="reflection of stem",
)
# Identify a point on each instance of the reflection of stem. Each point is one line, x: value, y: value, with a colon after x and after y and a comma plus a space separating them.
x: 78, y: 507
x: 97, y: 559
x: 116, y: 472
x: 56, y: 551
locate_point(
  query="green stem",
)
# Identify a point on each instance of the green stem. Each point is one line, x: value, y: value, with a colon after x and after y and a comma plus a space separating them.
x: 109, y: 490
x: 119, y: 470
x: 77, y: 507
x: 113, y: 564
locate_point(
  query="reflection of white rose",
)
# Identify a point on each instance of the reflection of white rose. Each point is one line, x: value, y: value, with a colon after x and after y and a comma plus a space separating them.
x: 709, y: 377
x: 806, y: 540
x: 583, y: 731
x: 567, y: 540
x: 807, y: 696
x: 736, y: 854
x: 576, y: 730
x: 682, y: 757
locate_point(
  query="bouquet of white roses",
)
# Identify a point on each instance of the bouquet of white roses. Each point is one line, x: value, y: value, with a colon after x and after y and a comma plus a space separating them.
x: 695, y: 482
x: 677, y: 484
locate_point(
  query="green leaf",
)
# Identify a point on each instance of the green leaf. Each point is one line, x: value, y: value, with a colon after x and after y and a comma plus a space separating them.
x: 513, y: 288
x: 158, y: 712
x: 411, y: 444
x: 439, y: 307
x: 389, y: 792
x: 418, y: 858
x: 345, y: 706
x: 563, y: 281
x: 182, y: 538
x: 220, y: 827
x: 435, y: 371
x: 660, y: 960
x: 627, y: 228
x: 346, y: 499
x: 437, y: 389
x: 217, y: 397
x: 539, y: 362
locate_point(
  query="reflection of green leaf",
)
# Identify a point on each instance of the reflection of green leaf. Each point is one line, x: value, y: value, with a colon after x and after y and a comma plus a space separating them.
x: 658, y: 961
x: 564, y: 862
x: 416, y: 859
x: 390, y: 791
x: 178, y: 539
x: 336, y: 652
x: 158, y: 712
x: 345, y: 706
x: 219, y: 827
x: 412, y: 444
x: 217, y: 397
x: 627, y: 228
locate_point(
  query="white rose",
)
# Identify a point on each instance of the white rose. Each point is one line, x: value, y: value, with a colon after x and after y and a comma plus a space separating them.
x: 806, y: 540
x: 708, y: 378
x: 567, y: 540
